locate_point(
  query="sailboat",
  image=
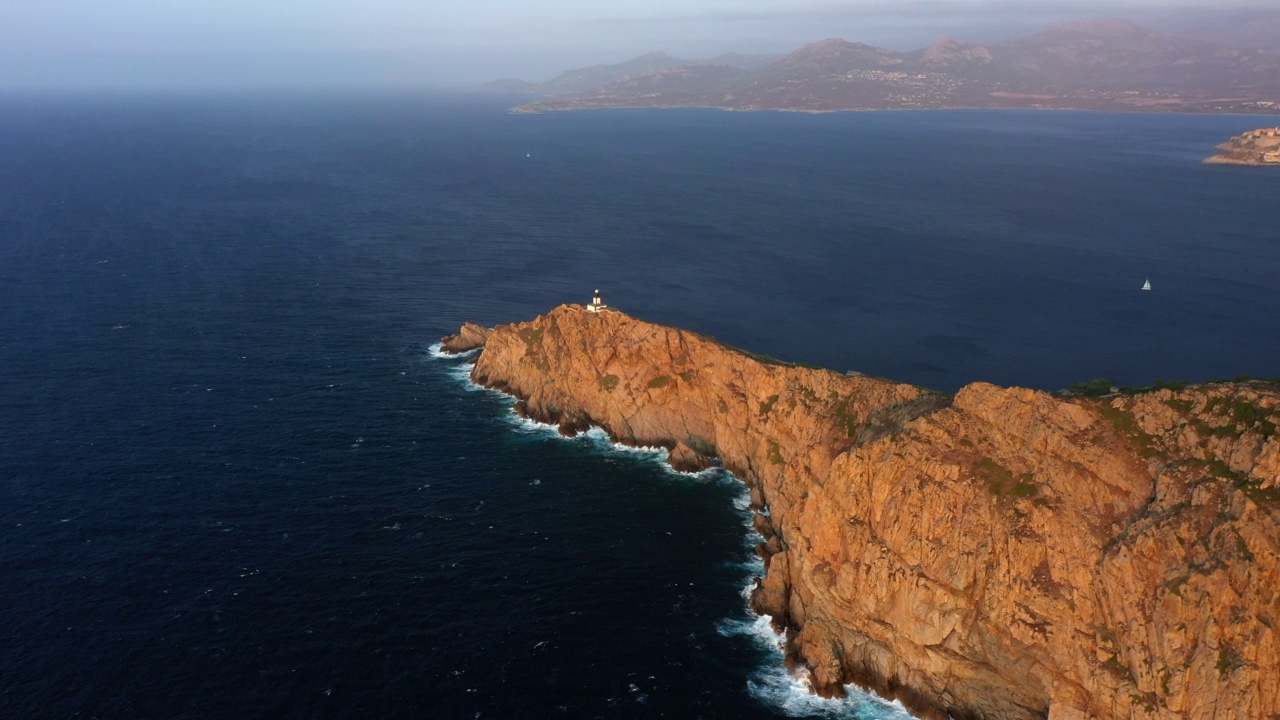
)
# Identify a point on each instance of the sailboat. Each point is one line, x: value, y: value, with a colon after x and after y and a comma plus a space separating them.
x: 1147, y: 285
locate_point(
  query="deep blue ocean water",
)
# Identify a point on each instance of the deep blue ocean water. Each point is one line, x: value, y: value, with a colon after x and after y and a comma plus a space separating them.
x: 236, y: 482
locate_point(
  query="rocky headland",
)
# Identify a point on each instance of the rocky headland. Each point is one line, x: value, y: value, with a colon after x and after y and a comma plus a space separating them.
x: 470, y: 337
x: 1256, y: 147
x: 999, y: 553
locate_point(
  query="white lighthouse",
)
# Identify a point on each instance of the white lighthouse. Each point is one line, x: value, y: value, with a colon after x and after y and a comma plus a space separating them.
x: 597, y: 305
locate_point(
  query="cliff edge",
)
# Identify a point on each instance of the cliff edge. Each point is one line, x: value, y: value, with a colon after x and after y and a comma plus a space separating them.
x: 1003, y: 553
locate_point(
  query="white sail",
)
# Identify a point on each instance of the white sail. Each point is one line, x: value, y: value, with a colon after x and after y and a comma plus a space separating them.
x: 1147, y: 285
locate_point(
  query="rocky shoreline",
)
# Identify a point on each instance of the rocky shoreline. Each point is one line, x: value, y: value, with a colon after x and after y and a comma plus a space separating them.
x: 1003, y: 553
x: 1256, y: 147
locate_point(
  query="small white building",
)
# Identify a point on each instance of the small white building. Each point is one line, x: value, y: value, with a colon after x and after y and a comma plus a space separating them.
x: 597, y: 305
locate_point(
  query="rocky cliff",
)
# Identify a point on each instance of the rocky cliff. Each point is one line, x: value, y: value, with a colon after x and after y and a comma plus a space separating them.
x: 470, y: 337
x: 1003, y: 553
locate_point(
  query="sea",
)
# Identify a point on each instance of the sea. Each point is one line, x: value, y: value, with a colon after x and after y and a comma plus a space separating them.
x: 237, y: 479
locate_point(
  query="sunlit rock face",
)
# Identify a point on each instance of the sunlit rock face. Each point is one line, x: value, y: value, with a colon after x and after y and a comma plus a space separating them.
x: 1003, y: 553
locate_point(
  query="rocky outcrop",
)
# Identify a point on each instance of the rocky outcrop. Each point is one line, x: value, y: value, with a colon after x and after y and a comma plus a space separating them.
x: 470, y: 337
x: 1256, y: 147
x: 1003, y: 553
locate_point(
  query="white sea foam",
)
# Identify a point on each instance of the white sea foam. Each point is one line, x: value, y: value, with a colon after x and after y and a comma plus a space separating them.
x: 750, y: 537
x: 773, y: 684
x: 791, y: 691
x: 600, y: 440
x: 462, y: 373
x: 527, y: 426
x: 750, y: 564
x: 437, y: 351
x: 595, y: 436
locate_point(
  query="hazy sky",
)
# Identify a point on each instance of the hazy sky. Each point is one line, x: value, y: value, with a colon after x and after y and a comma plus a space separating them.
x: 433, y: 42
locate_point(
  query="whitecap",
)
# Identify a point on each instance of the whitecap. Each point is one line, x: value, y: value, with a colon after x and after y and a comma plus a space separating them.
x: 528, y: 426
x: 711, y: 474
x: 462, y: 373
x: 600, y: 440
x: 773, y: 684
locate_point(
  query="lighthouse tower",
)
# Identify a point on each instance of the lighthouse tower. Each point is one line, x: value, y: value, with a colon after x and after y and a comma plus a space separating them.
x: 597, y: 305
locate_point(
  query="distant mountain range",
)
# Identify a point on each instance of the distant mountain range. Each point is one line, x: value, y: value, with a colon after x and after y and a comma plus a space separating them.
x: 1097, y: 65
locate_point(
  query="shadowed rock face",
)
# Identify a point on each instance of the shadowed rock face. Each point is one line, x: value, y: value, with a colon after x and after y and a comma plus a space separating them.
x: 1001, y: 554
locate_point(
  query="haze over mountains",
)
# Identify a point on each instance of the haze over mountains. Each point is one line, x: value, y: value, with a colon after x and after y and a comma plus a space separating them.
x: 586, y: 79
x: 1103, y: 65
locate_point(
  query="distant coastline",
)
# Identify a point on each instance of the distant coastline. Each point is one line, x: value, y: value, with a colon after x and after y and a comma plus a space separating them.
x: 551, y: 106
x: 1104, y: 65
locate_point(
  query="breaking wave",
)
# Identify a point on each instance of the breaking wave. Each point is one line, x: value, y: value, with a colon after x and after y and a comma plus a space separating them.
x: 790, y: 691
x: 436, y: 351
x: 595, y: 437
x: 773, y: 684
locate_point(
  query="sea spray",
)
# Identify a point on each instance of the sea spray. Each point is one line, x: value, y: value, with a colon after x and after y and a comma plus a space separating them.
x: 595, y: 436
x: 437, y: 351
x: 790, y: 691
x: 774, y: 684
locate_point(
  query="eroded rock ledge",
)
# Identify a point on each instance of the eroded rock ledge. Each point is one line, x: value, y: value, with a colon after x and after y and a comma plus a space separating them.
x: 1003, y: 553
x: 470, y: 337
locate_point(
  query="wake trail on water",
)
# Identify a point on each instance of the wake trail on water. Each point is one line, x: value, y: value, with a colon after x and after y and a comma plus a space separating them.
x: 773, y: 684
